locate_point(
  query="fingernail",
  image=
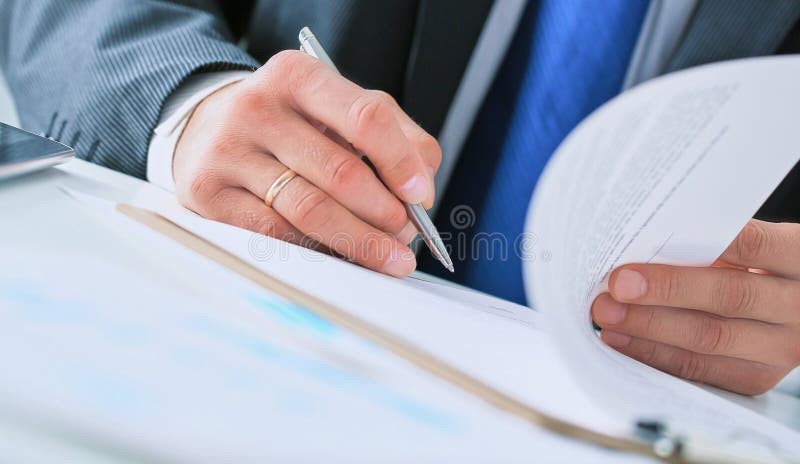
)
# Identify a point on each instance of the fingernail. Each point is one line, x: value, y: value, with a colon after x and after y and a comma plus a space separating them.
x: 415, y: 190
x: 615, y: 339
x: 609, y: 312
x: 408, y: 234
x: 629, y: 285
x: 400, y: 265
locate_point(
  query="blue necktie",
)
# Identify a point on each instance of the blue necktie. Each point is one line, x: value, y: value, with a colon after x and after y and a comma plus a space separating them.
x: 567, y: 58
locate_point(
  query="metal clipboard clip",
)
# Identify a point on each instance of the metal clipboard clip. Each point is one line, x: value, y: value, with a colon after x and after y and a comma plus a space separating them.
x: 675, y: 446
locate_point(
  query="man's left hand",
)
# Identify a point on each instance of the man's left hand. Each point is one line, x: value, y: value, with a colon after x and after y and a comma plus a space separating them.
x: 734, y: 325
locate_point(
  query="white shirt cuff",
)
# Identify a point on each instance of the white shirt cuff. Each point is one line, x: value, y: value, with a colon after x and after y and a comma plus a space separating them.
x: 174, y: 116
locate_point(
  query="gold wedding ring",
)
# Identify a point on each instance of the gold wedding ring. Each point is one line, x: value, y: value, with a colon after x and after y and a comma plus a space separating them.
x: 276, y: 186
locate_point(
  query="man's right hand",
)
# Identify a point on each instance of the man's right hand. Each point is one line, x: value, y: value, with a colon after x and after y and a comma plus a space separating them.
x: 296, y: 113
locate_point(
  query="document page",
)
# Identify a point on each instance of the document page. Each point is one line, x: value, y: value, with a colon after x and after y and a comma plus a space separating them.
x: 669, y: 172
x: 143, y: 351
x: 497, y: 344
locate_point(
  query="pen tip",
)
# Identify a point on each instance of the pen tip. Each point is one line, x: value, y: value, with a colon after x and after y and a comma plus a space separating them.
x: 451, y: 268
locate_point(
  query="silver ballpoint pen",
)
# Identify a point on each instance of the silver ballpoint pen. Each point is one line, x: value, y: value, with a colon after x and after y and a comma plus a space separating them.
x: 416, y: 212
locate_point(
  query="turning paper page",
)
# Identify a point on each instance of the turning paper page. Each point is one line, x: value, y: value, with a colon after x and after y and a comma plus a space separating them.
x: 667, y: 173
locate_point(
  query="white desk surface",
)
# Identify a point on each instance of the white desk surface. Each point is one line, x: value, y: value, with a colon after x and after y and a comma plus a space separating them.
x: 36, y: 211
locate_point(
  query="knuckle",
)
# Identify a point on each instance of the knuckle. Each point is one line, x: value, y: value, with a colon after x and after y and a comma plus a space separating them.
x: 653, y: 323
x: 734, y: 295
x: 428, y: 144
x: 308, y: 77
x: 246, y: 103
x: 203, y: 186
x: 369, y: 112
x: 343, y: 171
x: 752, y: 242
x: 384, y: 97
x: 692, y: 366
x: 222, y: 145
x: 667, y: 285
x: 284, y: 62
x: 313, y: 210
x: 650, y: 354
x: 292, y: 71
x: 213, y: 205
x: 712, y: 336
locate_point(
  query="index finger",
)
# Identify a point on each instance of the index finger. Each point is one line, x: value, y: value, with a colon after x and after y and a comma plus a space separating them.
x: 365, y: 118
x: 724, y: 292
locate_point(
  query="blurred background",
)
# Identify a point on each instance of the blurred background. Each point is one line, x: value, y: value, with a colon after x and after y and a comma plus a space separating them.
x: 7, y: 113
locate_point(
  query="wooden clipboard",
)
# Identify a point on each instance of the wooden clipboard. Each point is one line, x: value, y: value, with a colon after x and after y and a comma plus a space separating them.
x: 397, y: 346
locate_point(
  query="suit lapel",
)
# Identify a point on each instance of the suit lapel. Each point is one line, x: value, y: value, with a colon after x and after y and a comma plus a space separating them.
x: 445, y: 35
x: 729, y: 29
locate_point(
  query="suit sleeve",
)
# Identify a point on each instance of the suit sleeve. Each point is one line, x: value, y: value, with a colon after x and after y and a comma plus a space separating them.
x: 94, y: 74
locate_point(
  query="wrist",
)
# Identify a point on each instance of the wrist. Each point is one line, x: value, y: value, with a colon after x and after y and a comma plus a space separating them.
x: 199, y: 121
x: 174, y: 116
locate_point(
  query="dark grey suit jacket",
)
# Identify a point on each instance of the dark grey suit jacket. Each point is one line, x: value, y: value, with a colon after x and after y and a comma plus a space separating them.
x: 95, y: 73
